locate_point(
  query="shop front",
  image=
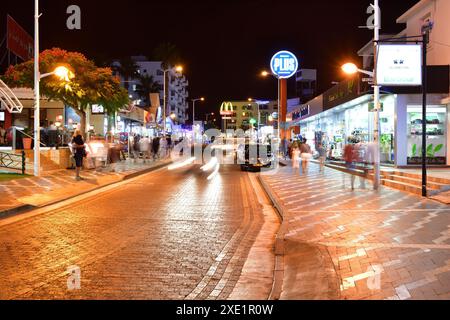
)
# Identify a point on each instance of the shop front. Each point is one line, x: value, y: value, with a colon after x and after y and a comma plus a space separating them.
x: 348, y: 117
x: 400, y: 124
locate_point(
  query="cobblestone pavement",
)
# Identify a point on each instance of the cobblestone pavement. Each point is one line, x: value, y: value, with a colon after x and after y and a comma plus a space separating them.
x: 383, y: 245
x: 165, y: 235
x: 16, y: 192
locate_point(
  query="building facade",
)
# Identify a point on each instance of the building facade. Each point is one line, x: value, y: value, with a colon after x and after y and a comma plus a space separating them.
x: 177, y: 104
x: 348, y: 117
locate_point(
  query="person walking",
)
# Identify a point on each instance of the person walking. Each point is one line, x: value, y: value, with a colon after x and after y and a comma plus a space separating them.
x: 322, y: 156
x: 144, y: 147
x: 306, y: 155
x: 349, y: 157
x: 295, y: 158
x: 155, y: 148
x: 79, y: 152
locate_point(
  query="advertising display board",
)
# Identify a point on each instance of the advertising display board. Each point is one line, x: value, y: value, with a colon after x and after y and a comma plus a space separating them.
x: 399, y: 65
x: 18, y: 41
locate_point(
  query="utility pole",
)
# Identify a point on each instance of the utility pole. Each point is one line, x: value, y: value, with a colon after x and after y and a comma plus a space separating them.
x: 37, y: 77
x: 376, y: 97
x: 425, y: 40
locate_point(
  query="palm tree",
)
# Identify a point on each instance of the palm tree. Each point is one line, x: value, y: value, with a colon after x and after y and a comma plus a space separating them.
x: 147, y: 85
x: 168, y: 53
x: 128, y: 69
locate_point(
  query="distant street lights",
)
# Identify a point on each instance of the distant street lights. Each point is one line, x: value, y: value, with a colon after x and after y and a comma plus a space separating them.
x: 193, y: 108
x: 177, y: 69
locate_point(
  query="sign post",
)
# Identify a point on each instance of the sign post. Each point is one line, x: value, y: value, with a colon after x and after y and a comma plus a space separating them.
x: 284, y: 65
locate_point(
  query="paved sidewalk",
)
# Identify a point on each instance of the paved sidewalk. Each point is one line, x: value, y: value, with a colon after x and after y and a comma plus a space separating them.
x: 361, y: 244
x: 24, y: 194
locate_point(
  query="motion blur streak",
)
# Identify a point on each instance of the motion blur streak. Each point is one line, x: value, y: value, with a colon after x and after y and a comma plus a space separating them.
x: 181, y: 164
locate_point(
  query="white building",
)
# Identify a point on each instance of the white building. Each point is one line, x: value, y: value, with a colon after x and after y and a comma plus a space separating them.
x: 177, y: 92
x: 347, y: 106
x: 436, y: 11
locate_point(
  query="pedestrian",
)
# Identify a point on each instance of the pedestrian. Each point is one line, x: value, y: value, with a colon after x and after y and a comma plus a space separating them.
x: 155, y: 148
x: 136, y: 150
x: 163, y: 147
x: 322, y: 156
x: 306, y: 155
x: 2, y: 135
x: 79, y: 152
x: 349, y: 158
x: 144, y: 147
x: 295, y: 158
x: 113, y: 155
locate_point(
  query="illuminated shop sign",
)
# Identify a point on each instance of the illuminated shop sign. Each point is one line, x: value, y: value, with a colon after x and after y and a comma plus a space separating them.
x: 284, y: 64
x: 226, y: 109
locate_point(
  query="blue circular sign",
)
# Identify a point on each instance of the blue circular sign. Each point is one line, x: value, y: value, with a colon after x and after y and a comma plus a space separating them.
x: 284, y: 64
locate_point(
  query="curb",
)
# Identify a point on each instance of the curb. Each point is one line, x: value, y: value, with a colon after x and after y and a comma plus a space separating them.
x: 278, y: 274
x: 8, y: 213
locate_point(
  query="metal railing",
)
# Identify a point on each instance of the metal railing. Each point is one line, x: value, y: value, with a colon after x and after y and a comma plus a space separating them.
x: 13, y: 161
x: 14, y: 138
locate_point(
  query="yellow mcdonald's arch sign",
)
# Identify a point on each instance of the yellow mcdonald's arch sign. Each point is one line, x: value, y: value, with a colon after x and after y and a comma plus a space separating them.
x: 226, y: 109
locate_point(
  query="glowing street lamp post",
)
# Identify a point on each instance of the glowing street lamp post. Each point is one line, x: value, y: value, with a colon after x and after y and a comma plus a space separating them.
x: 61, y: 72
x: 351, y: 68
x: 193, y: 116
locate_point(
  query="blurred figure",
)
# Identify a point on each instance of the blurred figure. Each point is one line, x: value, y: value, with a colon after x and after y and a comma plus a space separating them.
x: 306, y: 155
x: 295, y: 158
x: 163, y: 147
x: 2, y: 135
x: 113, y: 155
x: 144, y: 147
x: 322, y: 156
x: 349, y: 151
x: 136, y: 150
x: 155, y: 148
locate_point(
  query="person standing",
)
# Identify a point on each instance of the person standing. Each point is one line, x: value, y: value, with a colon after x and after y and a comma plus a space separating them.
x: 79, y: 152
x: 306, y: 155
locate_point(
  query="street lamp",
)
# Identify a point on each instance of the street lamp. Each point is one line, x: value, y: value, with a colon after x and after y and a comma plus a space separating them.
x: 351, y: 68
x: 193, y: 108
x: 265, y: 74
x: 177, y: 69
x: 64, y: 74
x: 259, y: 110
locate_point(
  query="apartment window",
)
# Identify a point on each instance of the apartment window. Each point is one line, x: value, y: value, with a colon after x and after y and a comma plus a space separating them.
x: 159, y: 73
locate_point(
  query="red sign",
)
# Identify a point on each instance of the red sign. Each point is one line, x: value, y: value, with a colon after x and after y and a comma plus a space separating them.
x: 19, y: 41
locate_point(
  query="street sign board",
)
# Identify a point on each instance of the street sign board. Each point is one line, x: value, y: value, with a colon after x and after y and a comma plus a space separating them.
x: 399, y: 65
x: 284, y: 64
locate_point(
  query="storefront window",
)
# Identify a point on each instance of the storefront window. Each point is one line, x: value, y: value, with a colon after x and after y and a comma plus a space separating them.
x: 387, y: 126
x: 436, y: 135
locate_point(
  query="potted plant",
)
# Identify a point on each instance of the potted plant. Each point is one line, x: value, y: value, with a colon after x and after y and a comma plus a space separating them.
x: 26, y: 140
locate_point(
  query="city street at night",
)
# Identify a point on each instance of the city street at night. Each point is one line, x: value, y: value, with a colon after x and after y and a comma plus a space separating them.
x: 220, y: 159
x: 143, y: 239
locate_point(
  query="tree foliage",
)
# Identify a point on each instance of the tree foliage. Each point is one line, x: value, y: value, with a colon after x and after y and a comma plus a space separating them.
x: 146, y: 86
x: 91, y: 85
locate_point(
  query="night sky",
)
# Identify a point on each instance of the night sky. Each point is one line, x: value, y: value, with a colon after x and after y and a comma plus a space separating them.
x: 224, y: 44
